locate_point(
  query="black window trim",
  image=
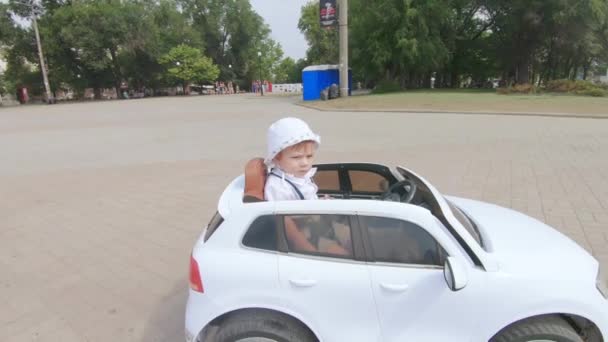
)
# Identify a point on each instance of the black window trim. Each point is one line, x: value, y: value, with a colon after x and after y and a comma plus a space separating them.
x: 370, y: 254
x: 257, y: 249
x: 212, y: 229
x: 359, y: 254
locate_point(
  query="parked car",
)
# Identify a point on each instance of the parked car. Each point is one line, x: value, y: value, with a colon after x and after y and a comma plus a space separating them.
x: 392, y: 259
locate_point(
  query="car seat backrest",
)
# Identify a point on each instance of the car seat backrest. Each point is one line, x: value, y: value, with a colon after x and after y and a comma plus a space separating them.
x: 255, y: 179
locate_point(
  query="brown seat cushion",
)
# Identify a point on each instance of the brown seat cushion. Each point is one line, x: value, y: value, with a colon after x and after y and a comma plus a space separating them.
x: 255, y: 179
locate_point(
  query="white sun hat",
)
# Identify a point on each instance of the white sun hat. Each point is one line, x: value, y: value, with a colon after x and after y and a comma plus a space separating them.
x: 287, y: 132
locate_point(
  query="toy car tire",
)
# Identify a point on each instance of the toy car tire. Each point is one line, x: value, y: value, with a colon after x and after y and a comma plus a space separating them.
x: 547, y: 328
x: 262, y: 324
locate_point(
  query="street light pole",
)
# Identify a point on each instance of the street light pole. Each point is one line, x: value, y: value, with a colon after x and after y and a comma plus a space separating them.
x: 230, y: 85
x: 261, y: 82
x: 343, y: 17
x: 45, y: 78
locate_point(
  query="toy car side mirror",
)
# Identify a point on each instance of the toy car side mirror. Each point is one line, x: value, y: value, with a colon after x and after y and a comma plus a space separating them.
x: 455, y: 274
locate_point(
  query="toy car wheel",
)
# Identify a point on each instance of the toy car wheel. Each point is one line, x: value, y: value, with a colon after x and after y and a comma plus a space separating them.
x: 538, y: 329
x: 262, y: 327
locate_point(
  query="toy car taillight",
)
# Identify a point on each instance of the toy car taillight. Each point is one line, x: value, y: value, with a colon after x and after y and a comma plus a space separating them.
x: 196, y: 283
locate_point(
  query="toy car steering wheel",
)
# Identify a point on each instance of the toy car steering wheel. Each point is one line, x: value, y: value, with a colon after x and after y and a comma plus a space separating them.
x: 407, y: 197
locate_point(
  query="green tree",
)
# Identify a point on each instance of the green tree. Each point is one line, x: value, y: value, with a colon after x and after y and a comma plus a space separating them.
x: 2, y: 85
x: 399, y: 41
x: 233, y: 33
x: 297, y: 72
x: 187, y: 64
x: 284, y: 72
x: 547, y: 39
x: 19, y: 50
x: 167, y: 28
x: 95, y: 33
x: 99, y: 44
x: 266, y: 65
x: 322, y: 42
x: 141, y: 32
x: 466, y: 34
x: 7, y: 26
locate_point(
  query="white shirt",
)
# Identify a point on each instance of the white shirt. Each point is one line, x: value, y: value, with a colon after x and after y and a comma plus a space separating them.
x: 279, y: 189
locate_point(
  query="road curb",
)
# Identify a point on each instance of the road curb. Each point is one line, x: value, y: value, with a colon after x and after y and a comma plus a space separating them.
x: 426, y: 111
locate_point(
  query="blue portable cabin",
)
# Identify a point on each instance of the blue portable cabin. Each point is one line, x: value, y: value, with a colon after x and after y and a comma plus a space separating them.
x: 315, y: 78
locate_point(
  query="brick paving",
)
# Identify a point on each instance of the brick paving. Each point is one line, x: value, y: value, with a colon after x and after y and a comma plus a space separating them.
x: 101, y: 202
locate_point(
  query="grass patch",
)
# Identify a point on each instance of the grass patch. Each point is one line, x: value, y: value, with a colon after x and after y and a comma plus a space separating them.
x: 469, y: 100
x: 385, y: 87
x: 583, y: 88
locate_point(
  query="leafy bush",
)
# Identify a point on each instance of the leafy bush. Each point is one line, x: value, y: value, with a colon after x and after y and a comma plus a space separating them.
x: 384, y: 87
x: 518, y: 89
x: 560, y: 86
x: 577, y: 87
x: 597, y: 92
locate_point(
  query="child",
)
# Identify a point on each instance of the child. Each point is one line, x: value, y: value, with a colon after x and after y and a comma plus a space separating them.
x: 291, y: 151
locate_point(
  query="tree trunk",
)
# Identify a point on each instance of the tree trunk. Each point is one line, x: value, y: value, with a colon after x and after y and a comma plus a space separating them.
x: 546, y: 71
x: 439, y: 80
x: 566, y: 70
x: 410, y: 79
x: 426, y: 82
x: 454, y: 79
x: 586, y: 66
x: 454, y: 72
x: 117, y: 74
x: 554, y: 68
x: 522, y: 71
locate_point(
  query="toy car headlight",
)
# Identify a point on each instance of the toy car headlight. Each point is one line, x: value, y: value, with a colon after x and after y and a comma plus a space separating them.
x: 600, y: 282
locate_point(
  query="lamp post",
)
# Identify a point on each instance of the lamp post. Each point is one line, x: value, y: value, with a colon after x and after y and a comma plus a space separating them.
x: 231, y: 89
x: 34, y: 7
x: 343, y: 15
x: 261, y: 82
x: 177, y: 64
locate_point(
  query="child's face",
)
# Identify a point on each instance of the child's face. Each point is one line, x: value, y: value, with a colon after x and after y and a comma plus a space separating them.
x: 298, y: 159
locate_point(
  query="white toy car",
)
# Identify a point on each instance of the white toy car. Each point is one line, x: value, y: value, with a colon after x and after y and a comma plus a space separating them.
x: 388, y: 259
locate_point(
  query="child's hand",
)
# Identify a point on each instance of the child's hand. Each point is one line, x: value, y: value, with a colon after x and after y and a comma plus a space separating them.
x: 326, y: 197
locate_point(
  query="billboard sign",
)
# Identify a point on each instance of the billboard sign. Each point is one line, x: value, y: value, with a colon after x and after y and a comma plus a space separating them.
x: 328, y: 13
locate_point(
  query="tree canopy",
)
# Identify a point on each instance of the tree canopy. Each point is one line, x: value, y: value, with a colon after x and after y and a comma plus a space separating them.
x: 408, y: 43
x: 411, y: 42
x: 103, y: 44
x: 187, y: 64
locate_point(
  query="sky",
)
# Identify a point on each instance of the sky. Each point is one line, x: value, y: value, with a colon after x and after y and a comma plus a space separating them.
x: 282, y: 16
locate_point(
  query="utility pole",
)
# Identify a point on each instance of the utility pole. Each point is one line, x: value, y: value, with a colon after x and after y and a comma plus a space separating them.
x: 261, y: 82
x: 343, y: 23
x: 34, y: 8
x: 45, y: 78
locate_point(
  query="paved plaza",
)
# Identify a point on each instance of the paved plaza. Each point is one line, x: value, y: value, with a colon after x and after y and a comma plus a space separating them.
x: 101, y: 202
